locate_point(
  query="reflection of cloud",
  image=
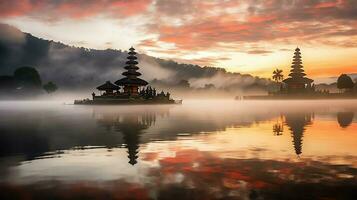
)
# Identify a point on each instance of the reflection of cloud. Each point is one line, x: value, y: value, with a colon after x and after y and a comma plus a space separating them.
x: 193, y: 174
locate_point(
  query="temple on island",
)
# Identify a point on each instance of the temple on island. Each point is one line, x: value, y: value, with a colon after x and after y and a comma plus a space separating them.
x: 297, y: 82
x: 130, y: 89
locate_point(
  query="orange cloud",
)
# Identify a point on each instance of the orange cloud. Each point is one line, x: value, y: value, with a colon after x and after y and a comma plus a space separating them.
x: 332, y: 71
x: 268, y: 21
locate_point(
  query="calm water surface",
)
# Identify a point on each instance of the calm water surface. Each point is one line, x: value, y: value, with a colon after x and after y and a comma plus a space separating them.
x: 198, y: 150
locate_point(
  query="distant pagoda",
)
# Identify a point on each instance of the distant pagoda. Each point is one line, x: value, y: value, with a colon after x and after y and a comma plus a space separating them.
x: 131, y: 82
x: 297, y: 80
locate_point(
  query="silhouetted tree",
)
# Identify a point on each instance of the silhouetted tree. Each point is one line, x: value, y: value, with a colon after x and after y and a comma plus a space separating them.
x: 28, y: 78
x: 7, y: 83
x: 50, y: 87
x: 278, y: 75
x: 184, y: 84
x: 345, y: 82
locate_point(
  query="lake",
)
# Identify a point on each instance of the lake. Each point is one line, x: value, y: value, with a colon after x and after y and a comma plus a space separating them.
x: 208, y: 149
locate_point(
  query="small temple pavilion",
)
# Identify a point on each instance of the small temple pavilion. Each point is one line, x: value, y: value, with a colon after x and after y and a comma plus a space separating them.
x: 131, y: 82
x: 108, y: 88
x: 297, y: 82
x: 130, y: 89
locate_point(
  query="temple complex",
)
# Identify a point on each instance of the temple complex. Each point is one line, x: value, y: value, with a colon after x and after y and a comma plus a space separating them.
x: 130, y: 89
x: 297, y: 82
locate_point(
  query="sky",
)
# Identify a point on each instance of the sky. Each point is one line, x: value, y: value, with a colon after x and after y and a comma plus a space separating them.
x: 247, y: 36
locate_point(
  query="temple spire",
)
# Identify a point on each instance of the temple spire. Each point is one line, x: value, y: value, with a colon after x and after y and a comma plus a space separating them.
x: 131, y: 82
x: 297, y: 71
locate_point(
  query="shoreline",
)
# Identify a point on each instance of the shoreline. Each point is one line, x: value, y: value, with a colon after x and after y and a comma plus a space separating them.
x: 298, y: 97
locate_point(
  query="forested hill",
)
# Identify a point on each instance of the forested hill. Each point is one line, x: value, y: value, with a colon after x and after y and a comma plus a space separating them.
x: 73, y: 68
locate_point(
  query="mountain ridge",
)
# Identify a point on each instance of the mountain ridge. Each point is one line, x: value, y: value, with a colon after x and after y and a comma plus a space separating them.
x: 78, y: 67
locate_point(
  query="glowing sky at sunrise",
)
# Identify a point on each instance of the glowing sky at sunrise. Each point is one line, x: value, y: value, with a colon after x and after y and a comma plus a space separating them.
x: 248, y: 36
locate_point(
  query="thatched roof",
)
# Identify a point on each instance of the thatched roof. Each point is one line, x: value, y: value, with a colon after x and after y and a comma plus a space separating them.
x: 108, y: 86
x: 303, y: 80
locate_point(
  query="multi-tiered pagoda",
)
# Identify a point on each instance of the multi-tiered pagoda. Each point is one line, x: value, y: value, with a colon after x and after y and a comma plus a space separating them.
x: 297, y: 82
x: 131, y: 82
x: 126, y: 90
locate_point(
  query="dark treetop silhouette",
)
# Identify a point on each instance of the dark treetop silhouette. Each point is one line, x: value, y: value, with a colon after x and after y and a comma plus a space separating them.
x: 130, y: 93
x: 26, y: 82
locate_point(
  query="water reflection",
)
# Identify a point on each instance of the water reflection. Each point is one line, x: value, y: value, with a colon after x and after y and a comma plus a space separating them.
x: 278, y: 127
x: 297, y: 123
x: 345, y: 119
x: 187, y: 152
x: 130, y: 125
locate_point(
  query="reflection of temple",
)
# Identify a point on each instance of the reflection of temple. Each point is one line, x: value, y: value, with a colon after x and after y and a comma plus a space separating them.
x: 131, y: 124
x: 132, y: 127
x: 297, y: 123
x: 345, y: 119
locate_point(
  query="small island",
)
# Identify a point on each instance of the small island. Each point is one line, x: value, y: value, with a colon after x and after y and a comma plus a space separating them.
x: 298, y: 86
x: 128, y: 90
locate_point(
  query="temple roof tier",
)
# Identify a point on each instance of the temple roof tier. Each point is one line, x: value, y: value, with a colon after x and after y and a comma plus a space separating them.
x: 297, y: 70
x: 303, y: 80
x: 129, y: 81
x: 131, y: 62
x: 131, y: 57
x: 131, y: 67
x: 295, y: 75
x: 131, y: 73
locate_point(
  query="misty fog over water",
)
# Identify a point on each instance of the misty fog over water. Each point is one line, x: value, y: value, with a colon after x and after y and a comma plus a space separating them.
x: 203, y: 149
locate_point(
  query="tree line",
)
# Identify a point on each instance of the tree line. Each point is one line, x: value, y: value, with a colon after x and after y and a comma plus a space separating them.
x: 25, y: 81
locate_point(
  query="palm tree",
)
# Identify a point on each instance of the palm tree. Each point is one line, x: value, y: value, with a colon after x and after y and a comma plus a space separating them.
x: 278, y: 129
x: 278, y: 75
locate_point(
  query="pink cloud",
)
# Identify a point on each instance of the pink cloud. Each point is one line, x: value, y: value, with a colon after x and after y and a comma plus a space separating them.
x: 77, y: 9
